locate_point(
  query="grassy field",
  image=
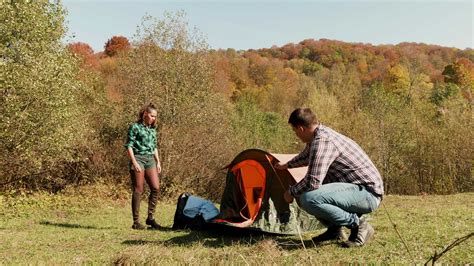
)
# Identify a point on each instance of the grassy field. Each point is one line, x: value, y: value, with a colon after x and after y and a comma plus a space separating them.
x: 94, y: 227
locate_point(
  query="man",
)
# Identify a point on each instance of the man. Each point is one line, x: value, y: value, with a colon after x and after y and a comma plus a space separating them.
x: 341, y: 184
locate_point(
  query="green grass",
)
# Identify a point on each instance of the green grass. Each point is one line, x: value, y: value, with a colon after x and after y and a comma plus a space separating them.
x: 86, y: 228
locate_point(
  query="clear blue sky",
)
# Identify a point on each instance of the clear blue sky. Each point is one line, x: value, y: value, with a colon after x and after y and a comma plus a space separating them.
x: 257, y: 24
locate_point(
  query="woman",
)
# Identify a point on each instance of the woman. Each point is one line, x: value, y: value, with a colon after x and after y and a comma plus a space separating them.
x: 144, y: 164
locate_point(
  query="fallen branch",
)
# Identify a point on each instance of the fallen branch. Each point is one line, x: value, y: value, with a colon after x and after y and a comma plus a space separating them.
x: 456, y: 242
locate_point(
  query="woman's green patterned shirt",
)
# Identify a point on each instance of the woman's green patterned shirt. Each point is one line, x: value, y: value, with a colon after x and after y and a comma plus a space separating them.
x: 142, y: 139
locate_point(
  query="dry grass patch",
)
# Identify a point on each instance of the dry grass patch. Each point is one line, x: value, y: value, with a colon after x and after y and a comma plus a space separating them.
x: 61, y: 229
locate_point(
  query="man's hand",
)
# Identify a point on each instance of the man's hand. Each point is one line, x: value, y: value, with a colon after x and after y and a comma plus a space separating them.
x: 280, y: 166
x: 288, y: 197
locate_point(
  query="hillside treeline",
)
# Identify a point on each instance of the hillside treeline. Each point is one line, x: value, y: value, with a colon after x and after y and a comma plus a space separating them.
x: 66, y: 109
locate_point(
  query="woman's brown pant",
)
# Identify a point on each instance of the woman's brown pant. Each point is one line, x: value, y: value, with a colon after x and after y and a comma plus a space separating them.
x: 149, y: 175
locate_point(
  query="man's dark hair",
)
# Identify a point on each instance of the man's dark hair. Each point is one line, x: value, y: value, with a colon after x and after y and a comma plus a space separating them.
x: 302, y: 117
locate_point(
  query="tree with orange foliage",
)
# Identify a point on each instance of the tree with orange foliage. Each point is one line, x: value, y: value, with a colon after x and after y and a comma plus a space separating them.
x: 85, y: 52
x: 115, y: 45
x: 80, y: 49
x: 291, y: 50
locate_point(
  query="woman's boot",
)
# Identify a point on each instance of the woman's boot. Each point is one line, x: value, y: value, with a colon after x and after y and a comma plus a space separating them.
x: 136, y: 199
x: 152, y: 200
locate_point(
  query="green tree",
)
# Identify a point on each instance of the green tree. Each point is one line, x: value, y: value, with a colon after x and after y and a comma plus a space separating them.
x: 310, y: 68
x: 40, y: 116
x: 387, y: 136
x: 254, y: 128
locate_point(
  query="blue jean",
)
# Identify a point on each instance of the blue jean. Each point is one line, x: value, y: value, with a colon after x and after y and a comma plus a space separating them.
x: 337, y: 204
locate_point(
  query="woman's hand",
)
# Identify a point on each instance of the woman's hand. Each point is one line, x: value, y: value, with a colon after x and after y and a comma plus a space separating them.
x: 157, y: 160
x: 137, y: 167
x: 158, y: 167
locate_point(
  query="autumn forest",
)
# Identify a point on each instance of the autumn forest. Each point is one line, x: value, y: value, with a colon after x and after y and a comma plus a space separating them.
x: 66, y: 108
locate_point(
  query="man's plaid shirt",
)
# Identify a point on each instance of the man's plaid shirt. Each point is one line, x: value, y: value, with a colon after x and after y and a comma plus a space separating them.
x: 332, y: 157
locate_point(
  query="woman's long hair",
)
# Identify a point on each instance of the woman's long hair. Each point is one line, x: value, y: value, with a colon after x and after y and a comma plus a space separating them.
x: 146, y: 108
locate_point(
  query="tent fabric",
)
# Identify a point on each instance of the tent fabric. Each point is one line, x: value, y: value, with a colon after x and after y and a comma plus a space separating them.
x: 253, y: 195
x: 250, y: 175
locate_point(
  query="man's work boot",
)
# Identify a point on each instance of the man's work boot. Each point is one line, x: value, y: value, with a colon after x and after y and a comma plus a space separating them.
x: 333, y: 233
x: 359, y: 235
